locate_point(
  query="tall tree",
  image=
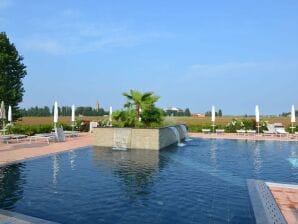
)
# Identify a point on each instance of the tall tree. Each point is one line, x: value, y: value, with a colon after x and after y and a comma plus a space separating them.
x: 187, y: 112
x: 12, y: 72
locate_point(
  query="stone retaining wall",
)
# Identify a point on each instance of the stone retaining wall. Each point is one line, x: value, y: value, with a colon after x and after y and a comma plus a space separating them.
x: 136, y: 138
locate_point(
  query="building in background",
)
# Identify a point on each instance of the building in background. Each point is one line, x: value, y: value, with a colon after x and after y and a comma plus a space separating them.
x: 97, y: 107
x: 197, y: 115
x: 173, y: 111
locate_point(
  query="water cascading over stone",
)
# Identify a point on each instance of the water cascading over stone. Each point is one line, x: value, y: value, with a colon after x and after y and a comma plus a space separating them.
x: 176, y: 132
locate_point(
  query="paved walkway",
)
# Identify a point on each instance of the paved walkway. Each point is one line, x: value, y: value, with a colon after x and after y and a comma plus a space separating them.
x: 23, y: 150
x: 256, y: 137
x: 286, y: 197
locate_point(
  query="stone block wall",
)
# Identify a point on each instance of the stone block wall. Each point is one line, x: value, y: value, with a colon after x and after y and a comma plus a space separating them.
x: 136, y: 138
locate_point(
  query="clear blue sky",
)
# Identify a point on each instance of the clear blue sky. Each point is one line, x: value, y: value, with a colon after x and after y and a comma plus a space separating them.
x: 233, y: 54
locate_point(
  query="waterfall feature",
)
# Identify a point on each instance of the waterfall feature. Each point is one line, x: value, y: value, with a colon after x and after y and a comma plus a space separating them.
x: 176, y: 132
x: 186, y: 136
x: 122, y: 138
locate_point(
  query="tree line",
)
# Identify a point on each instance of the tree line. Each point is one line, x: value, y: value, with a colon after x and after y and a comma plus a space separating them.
x: 286, y: 114
x: 217, y: 113
x: 63, y: 111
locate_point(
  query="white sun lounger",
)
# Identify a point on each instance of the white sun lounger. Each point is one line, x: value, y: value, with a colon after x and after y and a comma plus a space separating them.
x: 241, y: 132
x: 251, y: 132
x: 269, y: 133
x: 271, y: 130
x: 220, y: 131
x: 206, y: 131
x: 5, y: 138
x: 71, y: 133
x: 17, y: 137
x: 45, y: 136
x: 57, y: 136
x: 281, y: 132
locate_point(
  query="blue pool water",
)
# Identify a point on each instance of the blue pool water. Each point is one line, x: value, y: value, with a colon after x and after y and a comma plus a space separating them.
x: 202, y: 182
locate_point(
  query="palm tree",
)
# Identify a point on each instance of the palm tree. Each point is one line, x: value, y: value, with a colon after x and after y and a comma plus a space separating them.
x: 140, y: 100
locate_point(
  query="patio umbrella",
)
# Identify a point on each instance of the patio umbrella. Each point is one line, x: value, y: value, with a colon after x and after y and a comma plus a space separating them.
x: 2, y: 113
x: 73, y: 116
x: 213, y: 117
x: 258, y: 117
x: 110, y: 116
x: 293, y: 117
x: 9, y: 114
x: 55, y: 113
x: 140, y: 111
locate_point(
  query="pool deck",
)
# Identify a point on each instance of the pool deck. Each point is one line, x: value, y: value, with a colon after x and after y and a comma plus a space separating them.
x: 255, y: 137
x: 8, y: 217
x: 13, y: 152
x: 286, y: 197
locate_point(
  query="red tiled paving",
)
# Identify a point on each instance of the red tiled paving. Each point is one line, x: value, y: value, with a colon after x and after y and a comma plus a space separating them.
x: 243, y: 137
x: 287, y: 200
x: 23, y: 150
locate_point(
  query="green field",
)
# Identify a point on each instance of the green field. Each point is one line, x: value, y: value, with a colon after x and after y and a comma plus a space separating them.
x: 179, y: 120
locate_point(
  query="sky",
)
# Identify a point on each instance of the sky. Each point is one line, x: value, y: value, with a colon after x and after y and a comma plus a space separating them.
x: 195, y: 54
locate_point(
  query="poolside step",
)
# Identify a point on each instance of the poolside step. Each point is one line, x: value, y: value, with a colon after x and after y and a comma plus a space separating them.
x: 9, y: 217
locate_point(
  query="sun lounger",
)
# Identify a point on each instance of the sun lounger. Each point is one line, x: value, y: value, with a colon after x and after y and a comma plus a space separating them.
x: 5, y: 138
x: 251, y: 132
x: 220, y: 131
x: 57, y: 136
x: 17, y: 137
x: 44, y: 136
x: 71, y: 133
x: 241, y: 132
x: 281, y: 132
x: 269, y: 133
x: 206, y: 131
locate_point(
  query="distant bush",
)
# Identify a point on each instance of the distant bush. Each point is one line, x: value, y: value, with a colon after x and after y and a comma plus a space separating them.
x: 291, y: 130
x: 35, y: 129
x: 154, y: 116
x: 244, y: 124
x: 82, y: 125
x: 231, y: 127
x: 199, y: 127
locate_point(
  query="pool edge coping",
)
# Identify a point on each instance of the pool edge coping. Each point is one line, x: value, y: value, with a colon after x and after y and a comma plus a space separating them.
x: 42, y: 156
x: 21, y: 218
x: 265, y: 208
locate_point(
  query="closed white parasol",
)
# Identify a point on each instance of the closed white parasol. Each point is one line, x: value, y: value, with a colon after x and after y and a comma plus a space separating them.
x: 258, y: 117
x: 56, y: 114
x: 213, y: 117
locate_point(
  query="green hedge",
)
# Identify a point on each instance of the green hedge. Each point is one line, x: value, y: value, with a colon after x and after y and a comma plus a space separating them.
x: 35, y: 129
x: 231, y: 127
x: 199, y: 127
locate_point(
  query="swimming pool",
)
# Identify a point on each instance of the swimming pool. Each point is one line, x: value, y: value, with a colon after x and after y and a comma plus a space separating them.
x: 202, y: 182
